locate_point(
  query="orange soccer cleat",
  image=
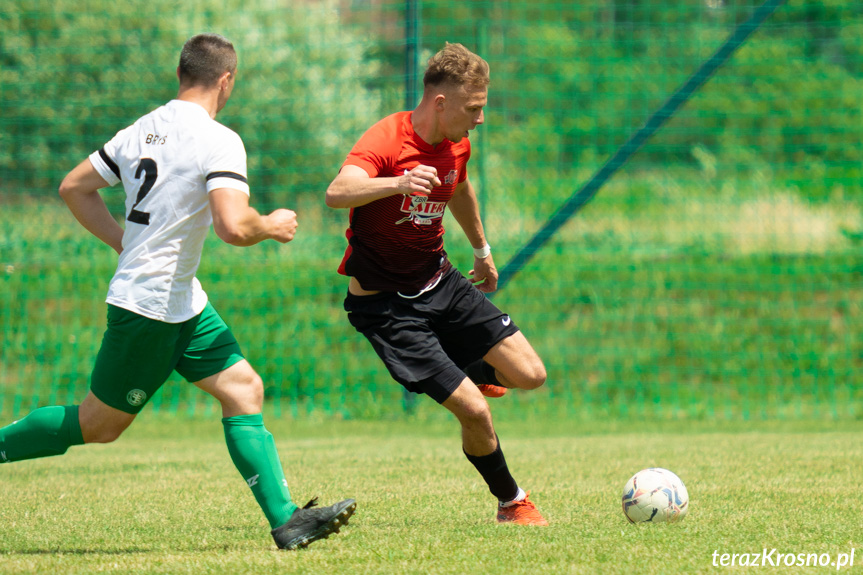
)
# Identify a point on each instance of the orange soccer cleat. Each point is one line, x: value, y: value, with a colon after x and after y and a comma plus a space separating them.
x: 490, y: 390
x: 522, y: 512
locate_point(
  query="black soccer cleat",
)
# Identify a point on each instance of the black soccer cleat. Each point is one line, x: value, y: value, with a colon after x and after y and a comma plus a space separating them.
x: 307, y: 525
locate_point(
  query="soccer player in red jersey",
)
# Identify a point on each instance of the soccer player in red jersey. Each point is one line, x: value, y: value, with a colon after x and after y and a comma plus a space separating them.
x: 433, y: 328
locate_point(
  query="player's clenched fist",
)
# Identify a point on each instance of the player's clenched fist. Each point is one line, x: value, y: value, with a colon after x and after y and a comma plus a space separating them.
x: 422, y: 179
x: 283, y: 225
x: 484, y: 275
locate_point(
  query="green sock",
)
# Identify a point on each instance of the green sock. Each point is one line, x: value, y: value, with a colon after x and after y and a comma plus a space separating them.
x: 254, y: 453
x: 44, y: 432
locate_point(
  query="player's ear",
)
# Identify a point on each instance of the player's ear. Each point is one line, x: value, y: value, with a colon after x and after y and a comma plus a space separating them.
x: 440, y: 102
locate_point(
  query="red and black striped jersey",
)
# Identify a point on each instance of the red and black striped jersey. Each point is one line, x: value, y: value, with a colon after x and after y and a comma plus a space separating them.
x: 396, y: 243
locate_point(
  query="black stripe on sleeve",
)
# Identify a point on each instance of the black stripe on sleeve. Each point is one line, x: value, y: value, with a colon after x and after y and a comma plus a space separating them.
x: 233, y: 175
x: 109, y: 162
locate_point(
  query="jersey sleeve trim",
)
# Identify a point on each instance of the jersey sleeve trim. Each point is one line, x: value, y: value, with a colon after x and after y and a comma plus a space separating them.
x: 109, y: 162
x: 106, y: 167
x: 232, y: 183
x: 234, y: 175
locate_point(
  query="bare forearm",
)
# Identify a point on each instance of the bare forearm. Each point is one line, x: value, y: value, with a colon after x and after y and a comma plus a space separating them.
x: 90, y: 210
x: 239, y: 224
x: 353, y: 187
x: 350, y: 192
x: 248, y: 229
x: 465, y: 209
x: 80, y: 190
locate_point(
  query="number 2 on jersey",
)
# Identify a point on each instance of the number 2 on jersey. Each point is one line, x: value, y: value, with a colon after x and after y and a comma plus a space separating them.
x: 151, y: 172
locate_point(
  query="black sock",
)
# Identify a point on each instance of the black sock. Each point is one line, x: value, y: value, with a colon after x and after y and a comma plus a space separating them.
x: 481, y: 372
x: 493, y: 469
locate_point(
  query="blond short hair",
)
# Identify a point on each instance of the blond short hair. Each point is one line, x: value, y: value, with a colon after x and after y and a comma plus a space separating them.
x: 456, y: 65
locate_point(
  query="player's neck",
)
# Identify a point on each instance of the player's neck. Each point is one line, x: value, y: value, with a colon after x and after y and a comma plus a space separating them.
x: 425, y: 125
x: 207, y: 98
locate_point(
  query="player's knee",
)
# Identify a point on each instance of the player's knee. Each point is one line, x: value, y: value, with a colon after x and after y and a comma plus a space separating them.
x: 102, y: 434
x: 249, y: 390
x: 256, y: 390
x: 529, y: 376
x: 536, y: 376
x: 475, y: 412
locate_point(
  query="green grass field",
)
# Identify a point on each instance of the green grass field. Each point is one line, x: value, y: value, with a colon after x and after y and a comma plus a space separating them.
x: 723, y: 348
x: 166, y: 499
x: 703, y: 313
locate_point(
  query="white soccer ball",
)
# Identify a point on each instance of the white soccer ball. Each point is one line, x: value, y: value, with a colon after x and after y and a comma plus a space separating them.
x: 655, y: 496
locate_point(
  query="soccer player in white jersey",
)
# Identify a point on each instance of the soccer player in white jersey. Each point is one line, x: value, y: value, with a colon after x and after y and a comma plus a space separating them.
x: 182, y: 171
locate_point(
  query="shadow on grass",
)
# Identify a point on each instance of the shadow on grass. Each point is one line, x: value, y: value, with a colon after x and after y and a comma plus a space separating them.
x: 130, y: 551
x: 109, y: 552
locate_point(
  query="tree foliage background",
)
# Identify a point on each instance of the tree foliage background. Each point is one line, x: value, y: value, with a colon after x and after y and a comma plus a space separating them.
x: 571, y: 81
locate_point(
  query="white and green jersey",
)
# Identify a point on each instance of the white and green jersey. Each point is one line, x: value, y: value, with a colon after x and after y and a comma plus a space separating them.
x: 168, y: 161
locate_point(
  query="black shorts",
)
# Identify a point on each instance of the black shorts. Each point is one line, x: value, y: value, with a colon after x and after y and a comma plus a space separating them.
x: 427, y: 340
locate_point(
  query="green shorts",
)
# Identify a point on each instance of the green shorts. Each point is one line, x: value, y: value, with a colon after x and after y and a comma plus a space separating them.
x: 138, y: 355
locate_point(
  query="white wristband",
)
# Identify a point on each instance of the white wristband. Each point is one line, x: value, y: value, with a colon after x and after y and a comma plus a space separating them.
x: 482, y: 252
